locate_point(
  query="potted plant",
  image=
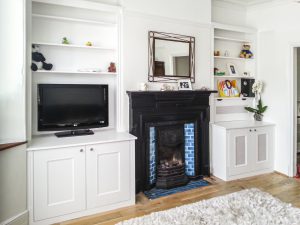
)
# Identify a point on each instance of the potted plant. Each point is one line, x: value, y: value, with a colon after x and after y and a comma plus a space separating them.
x: 258, y: 112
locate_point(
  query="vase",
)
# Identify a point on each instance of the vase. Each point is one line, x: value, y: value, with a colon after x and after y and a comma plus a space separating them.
x: 258, y: 117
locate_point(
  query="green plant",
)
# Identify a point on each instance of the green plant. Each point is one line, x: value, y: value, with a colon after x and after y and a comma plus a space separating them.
x: 65, y: 41
x: 259, y: 110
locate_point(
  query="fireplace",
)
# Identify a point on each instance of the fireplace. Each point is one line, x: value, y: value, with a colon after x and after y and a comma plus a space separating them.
x: 170, y: 163
x: 173, y: 137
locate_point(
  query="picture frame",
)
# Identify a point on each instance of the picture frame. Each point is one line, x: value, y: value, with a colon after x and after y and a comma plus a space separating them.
x: 232, y: 69
x: 184, y: 84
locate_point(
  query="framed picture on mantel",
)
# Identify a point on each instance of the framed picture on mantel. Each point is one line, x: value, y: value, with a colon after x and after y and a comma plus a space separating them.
x: 184, y: 84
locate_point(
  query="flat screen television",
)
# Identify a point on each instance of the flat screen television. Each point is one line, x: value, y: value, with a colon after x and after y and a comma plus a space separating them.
x: 72, y: 106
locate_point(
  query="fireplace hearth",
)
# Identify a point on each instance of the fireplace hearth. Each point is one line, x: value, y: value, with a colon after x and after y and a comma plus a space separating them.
x: 172, y: 128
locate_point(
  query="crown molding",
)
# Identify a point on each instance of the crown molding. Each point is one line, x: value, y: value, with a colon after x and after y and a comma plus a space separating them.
x: 269, y: 4
x: 246, y: 4
x: 251, y: 6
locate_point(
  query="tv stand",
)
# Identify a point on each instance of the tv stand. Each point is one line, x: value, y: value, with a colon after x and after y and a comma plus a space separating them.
x: 72, y: 133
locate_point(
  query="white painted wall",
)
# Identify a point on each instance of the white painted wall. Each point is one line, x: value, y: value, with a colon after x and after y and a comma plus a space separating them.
x: 141, y: 16
x: 192, y: 10
x: 12, y: 111
x: 12, y: 71
x: 228, y: 13
x: 278, y: 27
x: 12, y: 182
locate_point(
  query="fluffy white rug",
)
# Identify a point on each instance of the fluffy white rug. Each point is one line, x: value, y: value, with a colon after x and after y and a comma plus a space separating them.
x: 247, y: 207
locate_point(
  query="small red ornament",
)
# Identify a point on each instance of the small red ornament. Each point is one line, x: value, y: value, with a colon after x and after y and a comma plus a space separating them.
x: 112, y: 67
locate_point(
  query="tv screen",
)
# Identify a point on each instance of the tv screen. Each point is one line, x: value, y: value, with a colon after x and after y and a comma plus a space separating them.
x: 72, y: 106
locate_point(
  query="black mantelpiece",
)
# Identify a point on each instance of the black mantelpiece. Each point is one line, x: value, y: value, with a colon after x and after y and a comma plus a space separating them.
x: 150, y: 107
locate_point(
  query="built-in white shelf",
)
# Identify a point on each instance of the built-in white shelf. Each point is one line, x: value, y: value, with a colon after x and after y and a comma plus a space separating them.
x: 232, y: 58
x: 232, y: 39
x: 234, y: 28
x: 74, y: 72
x: 70, y: 19
x: 236, y: 77
x: 74, y: 46
x: 83, y: 4
x: 233, y: 98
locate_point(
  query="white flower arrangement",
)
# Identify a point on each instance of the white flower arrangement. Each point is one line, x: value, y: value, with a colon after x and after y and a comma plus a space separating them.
x: 257, y: 87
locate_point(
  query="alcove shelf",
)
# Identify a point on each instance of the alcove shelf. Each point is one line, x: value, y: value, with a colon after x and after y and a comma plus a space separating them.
x: 232, y: 39
x: 232, y: 77
x: 229, y: 41
x: 233, y: 58
x: 75, y: 20
x: 74, y: 72
x: 80, y: 22
x: 73, y: 46
x: 233, y: 98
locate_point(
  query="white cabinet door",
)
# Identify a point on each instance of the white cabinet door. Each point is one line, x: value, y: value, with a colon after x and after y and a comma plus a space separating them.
x: 108, y: 173
x: 263, y: 145
x: 59, y: 182
x: 239, y: 155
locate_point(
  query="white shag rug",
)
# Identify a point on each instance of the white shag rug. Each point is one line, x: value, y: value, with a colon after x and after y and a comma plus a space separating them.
x: 247, y: 207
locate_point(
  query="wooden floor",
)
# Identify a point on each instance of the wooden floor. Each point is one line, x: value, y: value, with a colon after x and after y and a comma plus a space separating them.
x: 282, y: 187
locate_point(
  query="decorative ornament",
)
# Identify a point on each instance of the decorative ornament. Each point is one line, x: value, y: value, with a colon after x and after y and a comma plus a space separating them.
x: 65, y: 41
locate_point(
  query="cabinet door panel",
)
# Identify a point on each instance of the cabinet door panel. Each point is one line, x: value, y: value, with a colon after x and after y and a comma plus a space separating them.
x: 262, y: 153
x: 238, y: 152
x: 263, y: 139
x: 59, y: 182
x: 108, y: 174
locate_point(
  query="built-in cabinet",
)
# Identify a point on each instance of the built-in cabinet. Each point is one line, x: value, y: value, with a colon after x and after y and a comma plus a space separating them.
x: 58, y: 182
x: 241, y: 149
x: 108, y: 174
x: 93, y: 33
x: 80, y: 177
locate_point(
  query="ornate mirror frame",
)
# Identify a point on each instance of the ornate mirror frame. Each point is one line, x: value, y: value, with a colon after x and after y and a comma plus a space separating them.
x: 152, y: 36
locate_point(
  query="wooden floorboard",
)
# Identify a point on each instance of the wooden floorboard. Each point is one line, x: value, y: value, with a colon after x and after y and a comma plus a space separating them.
x: 285, y: 188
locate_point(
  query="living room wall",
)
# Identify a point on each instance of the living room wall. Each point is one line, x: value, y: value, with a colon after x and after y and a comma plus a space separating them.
x: 12, y: 112
x: 190, y: 17
x: 278, y: 30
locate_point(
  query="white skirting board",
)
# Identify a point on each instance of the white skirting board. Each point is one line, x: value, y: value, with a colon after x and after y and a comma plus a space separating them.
x: 20, y: 219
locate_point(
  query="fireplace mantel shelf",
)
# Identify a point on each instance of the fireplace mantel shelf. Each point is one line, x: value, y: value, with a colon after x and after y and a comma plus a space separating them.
x: 173, y: 92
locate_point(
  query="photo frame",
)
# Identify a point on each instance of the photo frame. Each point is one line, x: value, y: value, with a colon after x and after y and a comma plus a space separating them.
x: 232, y: 69
x: 184, y: 84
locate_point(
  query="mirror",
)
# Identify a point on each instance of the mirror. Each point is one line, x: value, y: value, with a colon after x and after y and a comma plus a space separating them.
x: 171, y: 57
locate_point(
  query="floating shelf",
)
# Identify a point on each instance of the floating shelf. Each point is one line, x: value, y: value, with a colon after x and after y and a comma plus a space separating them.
x: 232, y: 39
x: 233, y: 98
x: 233, y: 58
x: 74, y: 46
x: 73, y: 72
x: 227, y: 76
x: 69, y: 19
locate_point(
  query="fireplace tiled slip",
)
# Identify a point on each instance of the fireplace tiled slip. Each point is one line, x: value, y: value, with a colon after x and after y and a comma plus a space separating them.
x: 173, y: 137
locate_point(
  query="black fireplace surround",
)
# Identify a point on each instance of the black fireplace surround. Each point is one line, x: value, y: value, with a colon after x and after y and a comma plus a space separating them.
x: 150, y: 108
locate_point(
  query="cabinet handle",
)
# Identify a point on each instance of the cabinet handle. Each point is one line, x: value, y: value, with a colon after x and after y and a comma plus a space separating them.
x: 255, y: 130
x: 250, y: 130
x: 81, y: 150
x: 91, y: 149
